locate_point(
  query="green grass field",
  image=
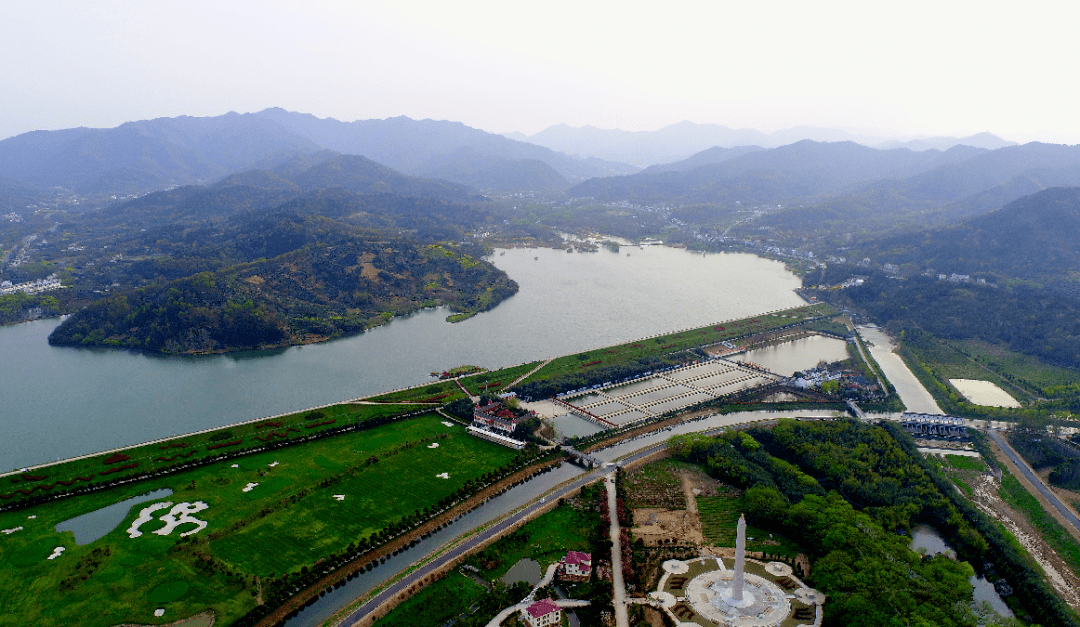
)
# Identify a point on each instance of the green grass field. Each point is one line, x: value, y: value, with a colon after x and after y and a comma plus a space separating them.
x: 963, y: 462
x: 185, y: 449
x: 719, y: 518
x: 492, y: 382
x: 1059, y: 539
x: 290, y: 520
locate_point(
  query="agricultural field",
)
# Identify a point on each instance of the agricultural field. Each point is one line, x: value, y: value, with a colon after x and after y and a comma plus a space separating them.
x: 288, y: 521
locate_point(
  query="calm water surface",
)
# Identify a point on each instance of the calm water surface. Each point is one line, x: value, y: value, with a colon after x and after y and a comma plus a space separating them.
x: 62, y: 402
x: 802, y: 354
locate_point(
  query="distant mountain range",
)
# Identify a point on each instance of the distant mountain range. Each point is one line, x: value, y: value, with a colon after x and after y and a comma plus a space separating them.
x: 679, y: 141
x: 155, y: 154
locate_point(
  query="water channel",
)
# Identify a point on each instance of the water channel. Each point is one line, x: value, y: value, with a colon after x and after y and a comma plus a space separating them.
x: 927, y: 539
x: 911, y: 392
x: 64, y: 402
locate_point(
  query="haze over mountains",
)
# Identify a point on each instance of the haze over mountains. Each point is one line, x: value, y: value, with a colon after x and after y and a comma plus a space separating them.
x: 679, y: 141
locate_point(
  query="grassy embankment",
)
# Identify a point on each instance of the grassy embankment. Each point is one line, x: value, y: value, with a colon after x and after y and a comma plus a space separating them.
x: 934, y: 361
x: 626, y: 353
x: 289, y: 522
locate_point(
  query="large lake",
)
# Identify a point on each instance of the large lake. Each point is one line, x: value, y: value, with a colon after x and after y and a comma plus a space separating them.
x: 62, y: 402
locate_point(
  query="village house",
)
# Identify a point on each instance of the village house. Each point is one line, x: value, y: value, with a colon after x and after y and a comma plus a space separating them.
x: 576, y: 566
x: 496, y: 417
x: 543, y: 613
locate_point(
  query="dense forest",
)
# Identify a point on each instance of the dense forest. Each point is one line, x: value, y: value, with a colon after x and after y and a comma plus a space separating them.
x: 850, y: 493
x: 314, y: 293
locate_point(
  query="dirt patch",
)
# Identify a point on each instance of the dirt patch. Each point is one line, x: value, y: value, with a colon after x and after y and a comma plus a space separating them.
x: 205, y: 619
x: 656, y: 527
x: 987, y: 498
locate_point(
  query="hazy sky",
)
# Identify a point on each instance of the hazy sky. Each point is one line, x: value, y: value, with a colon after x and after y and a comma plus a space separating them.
x: 900, y: 68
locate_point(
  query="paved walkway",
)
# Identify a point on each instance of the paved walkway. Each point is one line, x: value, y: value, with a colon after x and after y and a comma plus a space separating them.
x: 622, y: 619
x: 520, y: 607
x: 527, y: 374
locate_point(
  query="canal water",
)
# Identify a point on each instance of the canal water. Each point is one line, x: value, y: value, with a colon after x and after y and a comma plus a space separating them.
x: 911, y: 392
x: 928, y: 539
x: 63, y: 402
x: 512, y: 499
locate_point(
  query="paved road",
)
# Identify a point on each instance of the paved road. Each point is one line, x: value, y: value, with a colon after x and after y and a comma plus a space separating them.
x: 1034, y: 479
x: 622, y: 619
x: 472, y: 543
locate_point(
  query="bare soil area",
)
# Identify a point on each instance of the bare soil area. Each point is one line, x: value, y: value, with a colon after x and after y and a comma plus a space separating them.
x: 986, y: 497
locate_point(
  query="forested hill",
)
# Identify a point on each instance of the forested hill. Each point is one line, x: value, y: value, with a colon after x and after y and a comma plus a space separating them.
x: 1036, y: 238
x: 310, y: 294
x: 321, y: 246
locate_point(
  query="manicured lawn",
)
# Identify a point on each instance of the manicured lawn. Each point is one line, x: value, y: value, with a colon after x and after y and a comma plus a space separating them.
x: 185, y: 449
x: 963, y: 462
x: 122, y: 574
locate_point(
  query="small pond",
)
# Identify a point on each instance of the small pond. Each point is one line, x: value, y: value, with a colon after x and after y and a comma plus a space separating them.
x: 95, y: 525
x: 527, y: 570
x: 923, y: 537
x: 802, y: 354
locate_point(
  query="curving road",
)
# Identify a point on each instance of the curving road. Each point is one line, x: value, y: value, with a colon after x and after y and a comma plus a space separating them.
x: 472, y: 543
x: 1035, y: 480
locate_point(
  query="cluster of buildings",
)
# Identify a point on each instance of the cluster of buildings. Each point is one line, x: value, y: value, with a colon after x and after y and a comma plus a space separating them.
x: 496, y: 422
x: 51, y: 282
x: 576, y: 566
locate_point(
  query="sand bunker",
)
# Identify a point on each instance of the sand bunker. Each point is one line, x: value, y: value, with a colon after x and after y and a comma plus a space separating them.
x: 159, y: 612
x: 56, y: 552
x: 249, y: 487
x: 449, y: 424
x: 10, y: 531
x: 235, y: 466
x: 31, y: 517
x: 340, y: 497
x: 178, y: 515
x: 443, y: 475
x: 433, y: 445
x: 272, y: 465
x: 145, y: 516
x: 181, y: 514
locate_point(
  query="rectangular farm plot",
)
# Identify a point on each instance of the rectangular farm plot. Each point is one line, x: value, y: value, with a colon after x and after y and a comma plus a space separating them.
x: 678, y: 403
x: 611, y: 407
x: 718, y: 379
x: 622, y: 418
x: 699, y: 370
x: 380, y: 493
x: 586, y: 399
x: 658, y: 395
x: 644, y: 385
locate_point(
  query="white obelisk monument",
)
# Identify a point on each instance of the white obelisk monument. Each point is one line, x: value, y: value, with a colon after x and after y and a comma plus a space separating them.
x: 740, y: 560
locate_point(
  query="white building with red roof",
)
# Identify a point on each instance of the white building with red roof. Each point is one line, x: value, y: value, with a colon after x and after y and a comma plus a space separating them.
x: 576, y: 566
x: 542, y: 613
